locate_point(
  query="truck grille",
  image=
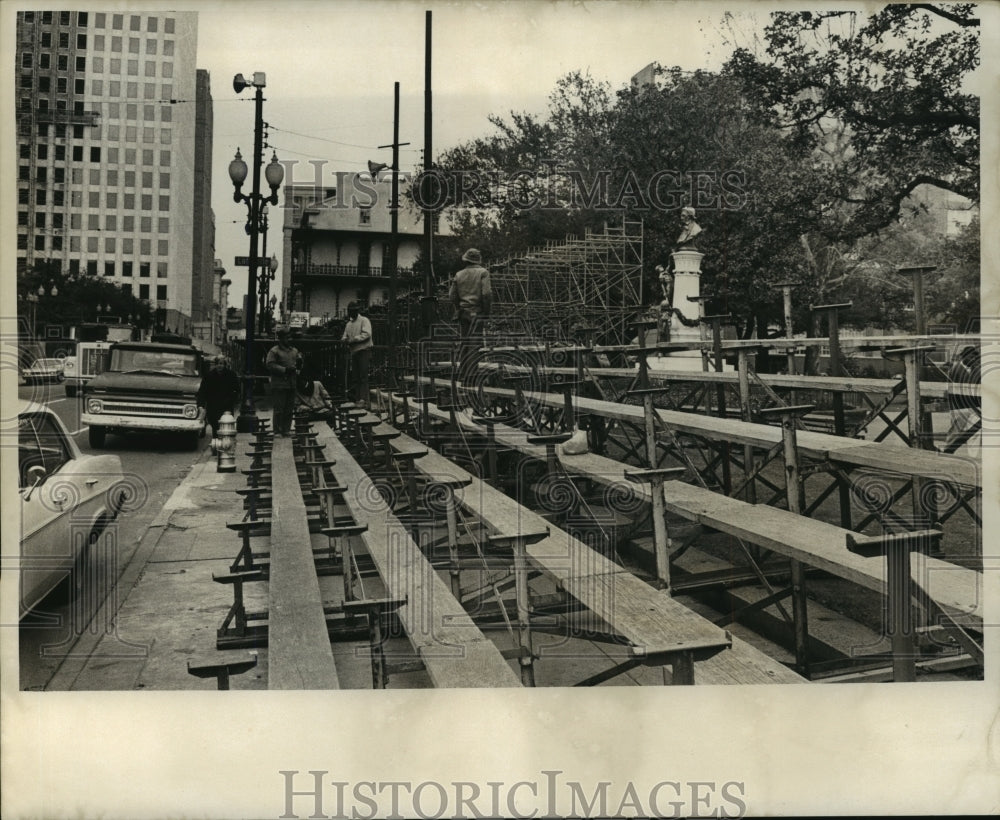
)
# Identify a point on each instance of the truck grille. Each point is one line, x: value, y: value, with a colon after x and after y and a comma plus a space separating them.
x: 135, y: 408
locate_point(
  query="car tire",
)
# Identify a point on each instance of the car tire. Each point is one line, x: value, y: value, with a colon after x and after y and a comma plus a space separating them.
x: 60, y: 378
x: 71, y: 390
x: 96, y: 436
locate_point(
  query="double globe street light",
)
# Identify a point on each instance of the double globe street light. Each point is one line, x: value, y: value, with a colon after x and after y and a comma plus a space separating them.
x: 274, y: 174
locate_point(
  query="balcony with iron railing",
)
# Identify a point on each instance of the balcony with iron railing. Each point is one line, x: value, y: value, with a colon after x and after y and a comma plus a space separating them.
x: 301, y: 270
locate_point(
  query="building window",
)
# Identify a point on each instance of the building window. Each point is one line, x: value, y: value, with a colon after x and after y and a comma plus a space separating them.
x: 24, y: 173
x: 128, y: 202
x: 112, y: 177
x: 151, y: 24
x: 40, y: 243
x: 95, y: 177
x: 22, y: 218
x: 58, y: 198
x: 145, y: 224
x: 150, y: 68
x: 149, y: 91
x: 166, y: 134
x: 75, y: 221
x: 40, y: 221
x: 145, y: 247
x: 147, y: 202
x: 116, y: 48
x: 164, y: 181
x: 168, y: 70
x: 148, y: 134
x: 161, y: 293
x: 128, y: 224
x: 162, y: 247
x: 81, y: 63
x: 97, y: 87
x: 46, y: 40
x: 116, y: 21
x: 98, y: 19
x: 113, y: 134
x: 95, y: 153
x: 77, y: 153
x: 81, y: 41
x: 64, y: 18
x: 164, y: 203
x: 109, y: 244
x: 92, y: 267
x: 151, y: 46
x: 98, y: 46
x: 147, y: 157
x: 22, y: 242
x: 168, y: 25
x: 109, y: 268
x: 144, y: 291
x: 93, y: 222
x: 39, y: 196
x: 111, y: 222
x: 80, y: 86
x: 164, y: 159
x: 60, y: 153
x: 168, y: 48
x: 144, y: 271
x: 127, y: 246
x: 365, y: 216
x: 92, y: 248
x: 133, y: 71
x: 63, y: 39
x: 131, y: 111
x: 164, y: 223
x: 112, y: 199
x: 44, y: 60
x: 127, y: 269
x: 127, y: 288
x: 62, y: 61
x: 166, y: 114
x: 131, y: 133
x: 167, y: 91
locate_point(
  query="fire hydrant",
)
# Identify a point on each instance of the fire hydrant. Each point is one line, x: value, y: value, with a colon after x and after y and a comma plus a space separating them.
x: 227, y: 444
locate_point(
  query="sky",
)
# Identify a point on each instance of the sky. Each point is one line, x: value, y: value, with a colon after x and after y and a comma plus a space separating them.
x: 330, y: 69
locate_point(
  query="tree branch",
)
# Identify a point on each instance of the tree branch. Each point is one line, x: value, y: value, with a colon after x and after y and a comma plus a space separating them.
x: 965, y: 22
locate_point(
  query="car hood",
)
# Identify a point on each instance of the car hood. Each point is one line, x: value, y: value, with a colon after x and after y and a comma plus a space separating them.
x: 143, y: 383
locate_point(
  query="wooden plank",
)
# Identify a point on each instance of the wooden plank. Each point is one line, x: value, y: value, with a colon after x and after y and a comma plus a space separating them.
x: 847, y: 451
x: 299, y: 655
x: 778, y: 381
x: 813, y: 542
x: 454, y: 651
x: 648, y: 618
x: 820, y: 545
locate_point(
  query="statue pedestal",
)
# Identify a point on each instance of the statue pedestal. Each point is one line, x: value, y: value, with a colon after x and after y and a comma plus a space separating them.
x: 687, y: 286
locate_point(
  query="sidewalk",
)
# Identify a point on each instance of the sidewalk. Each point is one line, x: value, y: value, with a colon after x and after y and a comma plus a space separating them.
x: 169, y: 606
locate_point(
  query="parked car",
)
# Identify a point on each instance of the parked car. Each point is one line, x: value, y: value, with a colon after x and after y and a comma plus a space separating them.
x: 44, y: 370
x: 150, y: 386
x: 67, y: 500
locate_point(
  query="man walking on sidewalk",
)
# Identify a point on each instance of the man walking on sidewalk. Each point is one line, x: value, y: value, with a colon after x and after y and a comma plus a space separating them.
x: 283, y: 363
x: 358, y: 335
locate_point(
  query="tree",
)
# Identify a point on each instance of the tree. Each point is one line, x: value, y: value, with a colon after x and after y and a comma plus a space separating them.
x: 890, y: 86
x: 78, y: 297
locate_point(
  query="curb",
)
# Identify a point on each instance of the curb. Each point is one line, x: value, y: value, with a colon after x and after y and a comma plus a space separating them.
x: 73, y: 665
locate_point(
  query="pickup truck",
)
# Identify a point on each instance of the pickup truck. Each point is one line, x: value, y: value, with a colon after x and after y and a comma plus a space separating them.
x: 149, y: 386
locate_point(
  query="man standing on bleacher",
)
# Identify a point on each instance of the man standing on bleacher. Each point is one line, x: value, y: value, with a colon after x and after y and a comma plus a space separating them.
x: 358, y: 335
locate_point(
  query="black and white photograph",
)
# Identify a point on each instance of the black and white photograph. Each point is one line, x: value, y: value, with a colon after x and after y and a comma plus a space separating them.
x: 499, y: 409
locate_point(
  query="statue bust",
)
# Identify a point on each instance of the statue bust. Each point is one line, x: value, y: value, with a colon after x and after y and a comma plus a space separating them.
x: 689, y: 230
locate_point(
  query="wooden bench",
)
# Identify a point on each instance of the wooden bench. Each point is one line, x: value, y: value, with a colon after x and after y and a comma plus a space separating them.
x: 453, y: 650
x: 299, y: 652
x: 654, y: 624
x: 955, y: 590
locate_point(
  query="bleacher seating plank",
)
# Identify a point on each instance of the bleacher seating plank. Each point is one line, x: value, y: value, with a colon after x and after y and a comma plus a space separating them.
x: 815, y: 543
x: 454, y: 651
x: 646, y: 617
x: 299, y: 653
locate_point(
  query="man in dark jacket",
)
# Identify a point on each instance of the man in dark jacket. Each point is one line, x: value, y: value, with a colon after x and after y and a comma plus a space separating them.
x: 220, y: 391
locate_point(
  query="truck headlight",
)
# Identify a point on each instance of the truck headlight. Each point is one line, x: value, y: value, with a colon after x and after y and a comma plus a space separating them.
x: 190, y: 411
x: 95, y: 406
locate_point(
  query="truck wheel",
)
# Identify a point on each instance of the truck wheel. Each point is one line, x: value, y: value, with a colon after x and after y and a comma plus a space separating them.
x: 96, y: 435
x: 71, y: 390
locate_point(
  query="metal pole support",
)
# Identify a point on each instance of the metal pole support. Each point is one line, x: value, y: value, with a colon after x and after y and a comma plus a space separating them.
x: 901, y: 626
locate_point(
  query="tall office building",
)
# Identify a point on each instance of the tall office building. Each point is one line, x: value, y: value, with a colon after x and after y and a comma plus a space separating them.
x: 111, y: 119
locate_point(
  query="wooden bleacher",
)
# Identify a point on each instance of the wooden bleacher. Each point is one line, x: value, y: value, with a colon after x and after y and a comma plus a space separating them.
x: 454, y: 652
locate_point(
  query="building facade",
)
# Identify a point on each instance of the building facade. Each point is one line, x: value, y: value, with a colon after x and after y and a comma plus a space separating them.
x: 338, y: 240
x: 113, y: 126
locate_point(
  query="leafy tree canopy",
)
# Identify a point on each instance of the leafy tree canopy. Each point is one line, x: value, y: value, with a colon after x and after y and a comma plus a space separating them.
x: 884, y: 99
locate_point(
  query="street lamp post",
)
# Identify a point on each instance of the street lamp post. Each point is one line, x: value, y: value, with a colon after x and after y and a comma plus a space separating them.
x: 274, y: 174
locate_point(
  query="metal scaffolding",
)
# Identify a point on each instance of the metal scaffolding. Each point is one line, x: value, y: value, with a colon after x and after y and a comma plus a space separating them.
x: 595, y: 281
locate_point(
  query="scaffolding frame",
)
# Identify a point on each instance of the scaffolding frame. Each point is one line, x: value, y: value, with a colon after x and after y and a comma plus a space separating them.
x: 595, y: 281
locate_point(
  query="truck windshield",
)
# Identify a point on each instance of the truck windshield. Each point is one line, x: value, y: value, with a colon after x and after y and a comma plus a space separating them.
x: 157, y: 361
